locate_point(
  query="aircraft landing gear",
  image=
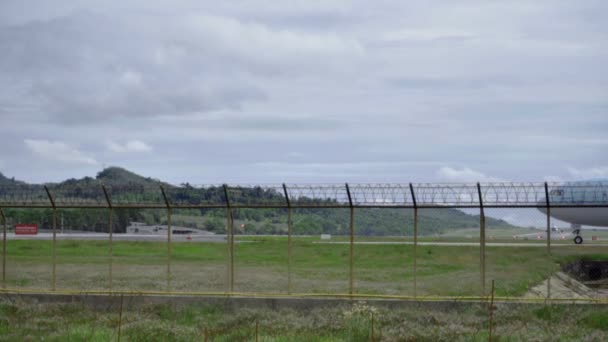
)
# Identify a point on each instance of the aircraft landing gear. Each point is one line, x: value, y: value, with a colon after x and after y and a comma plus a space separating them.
x: 578, y: 239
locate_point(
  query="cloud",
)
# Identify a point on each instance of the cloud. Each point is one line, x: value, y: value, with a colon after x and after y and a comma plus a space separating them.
x: 58, y: 151
x: 129, y: 146
x: 131, y: 78
x: 464, y: 175
x: 515, y: 89
x: 553, y: 179
x: 589, y: 173
x: 56, y: 67
x: 259, y: 43
x: 434, y: 34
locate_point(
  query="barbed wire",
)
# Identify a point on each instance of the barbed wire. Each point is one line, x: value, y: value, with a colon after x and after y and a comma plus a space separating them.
x: 93, y: 195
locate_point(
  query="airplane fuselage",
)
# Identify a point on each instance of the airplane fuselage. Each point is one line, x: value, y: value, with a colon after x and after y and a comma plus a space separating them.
x: 597, y: 217
x: 580, y: 193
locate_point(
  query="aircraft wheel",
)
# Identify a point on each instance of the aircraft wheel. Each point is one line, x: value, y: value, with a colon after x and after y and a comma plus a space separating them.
x: 578, y: 240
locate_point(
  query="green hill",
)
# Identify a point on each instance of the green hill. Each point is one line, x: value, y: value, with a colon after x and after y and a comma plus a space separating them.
x: 369, y: 221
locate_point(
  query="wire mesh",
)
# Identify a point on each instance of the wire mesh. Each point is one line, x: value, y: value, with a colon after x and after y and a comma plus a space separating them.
x: 135, y: 194
x: 14, y: 195
x: 261, y: 262
x: 343, y: 239
x: 140, y: 252
x: 29, y: 262
x: 449, y: 260
x: 82, y: 263
x: 446, y: 194
x: 195, y: 195
x: 381, y: 194
x: 318, y: 266
x: 317, y: 195
x: 384, y: 252
x: 256, y: 195
x: 199, y: 250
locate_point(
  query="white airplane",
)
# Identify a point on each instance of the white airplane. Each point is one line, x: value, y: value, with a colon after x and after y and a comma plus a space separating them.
x: 586, y: 192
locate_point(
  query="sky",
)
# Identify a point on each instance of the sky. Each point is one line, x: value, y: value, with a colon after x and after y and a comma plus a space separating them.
x: 305, y: 91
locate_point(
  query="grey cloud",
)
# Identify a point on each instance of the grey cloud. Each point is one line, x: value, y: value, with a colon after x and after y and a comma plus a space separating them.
x: 370, y: 91
x: 72, y: 104
x: 458, y: 83
x: 74, y: 68
x: 276, y: 123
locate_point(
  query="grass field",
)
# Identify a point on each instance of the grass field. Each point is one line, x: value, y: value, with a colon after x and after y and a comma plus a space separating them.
x: 261, y: 266
x: 21, y: 321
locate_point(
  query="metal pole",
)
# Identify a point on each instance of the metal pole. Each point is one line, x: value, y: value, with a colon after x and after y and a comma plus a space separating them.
x: 352, y: 241
x: 3, y: 248
x: 289, y: 231
x: 230, y: 238
x: 415, y: 239
x: 168, y: 204
x: 548, y: 218
x: 482, y: 241
x: 110, y: 232
x: 548, y: 203
x: 111, y: 251
x: 54, y: 248
x: 491, y: 325
x: 169, y: 249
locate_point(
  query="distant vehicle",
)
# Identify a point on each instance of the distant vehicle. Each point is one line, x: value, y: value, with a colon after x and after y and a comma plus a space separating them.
x: 584, y: 192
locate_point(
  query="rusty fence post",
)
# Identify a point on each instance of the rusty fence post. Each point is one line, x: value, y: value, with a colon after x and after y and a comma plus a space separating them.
x: 54, y: 247
x: 110, y: 236
x: 120, y: 317
x: 169, y: 212
x: 4, y: 228
x: 289, y: 232
x: 482, y: 242
x: 352, y: 242
x: 230, y: 238
x: 548, y: 204
x: 491, y: 325
x: 371, y: 337
x: 415, y: 239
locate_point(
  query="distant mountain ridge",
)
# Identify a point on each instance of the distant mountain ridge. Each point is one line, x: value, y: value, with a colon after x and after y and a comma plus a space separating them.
x: 110, y: 175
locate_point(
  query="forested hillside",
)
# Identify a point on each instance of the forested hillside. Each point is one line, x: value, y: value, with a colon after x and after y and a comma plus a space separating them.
x: 368, y: 221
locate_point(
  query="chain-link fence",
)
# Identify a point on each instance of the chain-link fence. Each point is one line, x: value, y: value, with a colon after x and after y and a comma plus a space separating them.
x: 536, y: 241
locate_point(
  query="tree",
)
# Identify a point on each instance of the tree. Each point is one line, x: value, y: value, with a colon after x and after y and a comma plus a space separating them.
x: 308, y: 225
x: 214, y: 224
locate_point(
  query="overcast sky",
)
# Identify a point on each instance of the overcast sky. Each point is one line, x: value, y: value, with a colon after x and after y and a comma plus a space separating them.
x: 305, y: 91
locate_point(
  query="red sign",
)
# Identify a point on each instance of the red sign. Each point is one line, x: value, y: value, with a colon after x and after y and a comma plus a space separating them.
x: 26, y: 229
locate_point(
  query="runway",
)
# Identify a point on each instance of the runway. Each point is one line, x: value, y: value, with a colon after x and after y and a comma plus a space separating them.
x: 222, y: 239
x: 120, y: 237
x: 438, y: 243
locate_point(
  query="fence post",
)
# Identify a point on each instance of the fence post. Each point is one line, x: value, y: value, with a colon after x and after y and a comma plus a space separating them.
x: 371, y: 337
x: 482, y: 241
x: 289, y: 231
x: 110, y: 231
x: 120, y: 317
x: 168, y: 204
x: 4, y: 228
x: 415, y: 238
x: 548, y: 204
x: 230, y: 238
x: 491, y: 324
x: 54, y: 248
x: 352, y: 240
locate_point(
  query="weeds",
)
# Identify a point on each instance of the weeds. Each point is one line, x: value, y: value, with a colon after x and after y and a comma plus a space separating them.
x: 21, y: 321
